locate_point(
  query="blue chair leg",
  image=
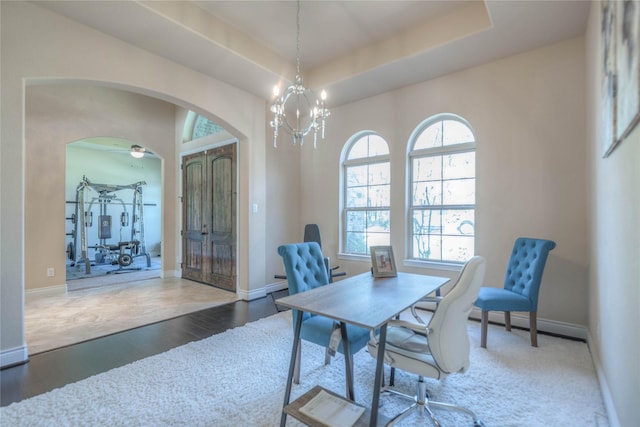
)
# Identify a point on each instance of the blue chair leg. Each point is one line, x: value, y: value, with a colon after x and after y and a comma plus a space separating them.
x: 533, y: 328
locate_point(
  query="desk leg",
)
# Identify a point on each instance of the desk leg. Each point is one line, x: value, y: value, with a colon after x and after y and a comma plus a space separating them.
x: 348, y: 366
x: 292, y: 362
x: 375, y: 403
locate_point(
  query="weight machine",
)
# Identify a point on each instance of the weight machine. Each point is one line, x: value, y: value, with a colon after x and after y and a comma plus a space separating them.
x: 124, y: 252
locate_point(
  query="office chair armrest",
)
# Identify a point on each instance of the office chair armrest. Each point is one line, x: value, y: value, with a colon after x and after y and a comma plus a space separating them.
x: 430, y: 299
x: 415, y: 327
x: 422, y: 304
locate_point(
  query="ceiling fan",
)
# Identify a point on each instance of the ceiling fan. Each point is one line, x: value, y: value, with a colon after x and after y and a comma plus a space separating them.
x: 137, y: 151
x: 115, y: 145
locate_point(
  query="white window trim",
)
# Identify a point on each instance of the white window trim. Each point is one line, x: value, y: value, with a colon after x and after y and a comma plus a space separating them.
x: 343, y: 187
x: 412, y: 263
x: 429, y: 152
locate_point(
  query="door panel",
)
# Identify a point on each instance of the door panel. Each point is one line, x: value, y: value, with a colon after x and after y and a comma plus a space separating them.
x: 209, y: 236
x: 193, y: 168
x: 222, y: 236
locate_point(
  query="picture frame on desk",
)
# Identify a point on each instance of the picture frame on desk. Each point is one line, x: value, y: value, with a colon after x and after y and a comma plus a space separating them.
x: 383, y: 263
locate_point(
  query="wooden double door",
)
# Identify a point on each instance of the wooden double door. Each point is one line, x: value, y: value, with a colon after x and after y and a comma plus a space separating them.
x: 209, y: 238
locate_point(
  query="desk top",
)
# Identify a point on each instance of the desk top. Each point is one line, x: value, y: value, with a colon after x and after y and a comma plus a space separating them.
x: 363, y: 300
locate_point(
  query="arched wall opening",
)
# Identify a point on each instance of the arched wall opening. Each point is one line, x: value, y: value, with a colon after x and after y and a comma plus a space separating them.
x: 32, y: 36
x: 62, y: 111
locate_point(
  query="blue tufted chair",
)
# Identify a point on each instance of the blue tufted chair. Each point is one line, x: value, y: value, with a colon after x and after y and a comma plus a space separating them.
x: 305, y: 269
x: 521, y: 286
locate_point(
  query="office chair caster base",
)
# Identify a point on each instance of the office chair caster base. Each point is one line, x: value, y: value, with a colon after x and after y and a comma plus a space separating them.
x: 422, y: 403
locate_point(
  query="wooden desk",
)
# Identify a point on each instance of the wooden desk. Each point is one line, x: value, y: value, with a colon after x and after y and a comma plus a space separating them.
x: 363, y: 301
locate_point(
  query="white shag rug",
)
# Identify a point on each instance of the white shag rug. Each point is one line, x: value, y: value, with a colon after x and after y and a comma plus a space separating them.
x: 237, y: 378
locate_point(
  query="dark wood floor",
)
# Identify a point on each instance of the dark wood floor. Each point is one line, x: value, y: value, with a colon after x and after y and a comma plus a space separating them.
x: 56, y: 368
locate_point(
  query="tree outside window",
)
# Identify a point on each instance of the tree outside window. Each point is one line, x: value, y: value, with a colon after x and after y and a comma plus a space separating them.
x: 367, y: 194
x: 443, y: 190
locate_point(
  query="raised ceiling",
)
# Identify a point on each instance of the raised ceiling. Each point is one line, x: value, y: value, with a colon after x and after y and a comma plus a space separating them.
x: 353, y: 49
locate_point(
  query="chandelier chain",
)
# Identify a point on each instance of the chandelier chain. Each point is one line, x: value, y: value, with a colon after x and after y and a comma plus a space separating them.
x: 298, y: 38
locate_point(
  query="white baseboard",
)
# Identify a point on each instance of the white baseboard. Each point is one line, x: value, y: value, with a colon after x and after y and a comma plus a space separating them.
x: 277, y: 286
x: 170, y: 273
x: 544, y: 325
x: 14, y: 356
x: 49, y: 290
x: 262, y: 292
x: 612, y: 415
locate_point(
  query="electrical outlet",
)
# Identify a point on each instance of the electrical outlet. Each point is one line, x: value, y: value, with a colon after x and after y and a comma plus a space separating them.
x: 51, y: 272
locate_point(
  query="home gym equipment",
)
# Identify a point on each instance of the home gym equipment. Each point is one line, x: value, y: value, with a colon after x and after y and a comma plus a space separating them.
x: 121, y: 253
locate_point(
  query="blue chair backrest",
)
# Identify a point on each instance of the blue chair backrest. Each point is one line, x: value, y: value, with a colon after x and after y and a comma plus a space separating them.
x: 526, y: 265
x: 304, y: 267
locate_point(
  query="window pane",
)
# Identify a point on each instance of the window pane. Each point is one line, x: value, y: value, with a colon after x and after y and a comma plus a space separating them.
x: 377, y: 146
x: 356, y: 243
x: 427, y: 168
x: 459, y: 192
x: 378, y: 222
x: 357, y: 175
x: 377, y: 239
x: 446, y: 235
x: 461, y: 165
x: 458, y: 222
x: 378, y: 231
x: 204, y: 127
x: 428, y: 247
x: 365, y: 229
x: 456, y: 132
x: 430, y: 137
x: 379, y: 173
x: 427, y: 221
x: 379, y: 196
x: 356, y: 197
x: 359, y: 149
x: 427, y: 193
x: 457, y: 248
x: 356, y: 221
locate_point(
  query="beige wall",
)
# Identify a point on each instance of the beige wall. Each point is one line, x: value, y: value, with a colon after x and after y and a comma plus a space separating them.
x: 57, y: 115
x: 528, y: 115
x: 36, y: 51
x: 540, y: 173
x: 614, y: 227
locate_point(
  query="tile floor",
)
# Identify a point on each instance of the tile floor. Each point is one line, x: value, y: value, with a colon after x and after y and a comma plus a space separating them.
x: 58, y: 319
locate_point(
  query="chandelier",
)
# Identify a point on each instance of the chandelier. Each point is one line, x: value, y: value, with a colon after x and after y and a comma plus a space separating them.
x: 298, y: 111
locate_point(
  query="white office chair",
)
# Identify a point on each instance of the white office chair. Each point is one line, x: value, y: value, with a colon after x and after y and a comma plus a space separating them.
x: 438, y: 348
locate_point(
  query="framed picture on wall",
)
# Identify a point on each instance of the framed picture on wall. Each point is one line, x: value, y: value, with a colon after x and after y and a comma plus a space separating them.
x: 627, y: 40
x: 382, y: 262
x: 608, y: 52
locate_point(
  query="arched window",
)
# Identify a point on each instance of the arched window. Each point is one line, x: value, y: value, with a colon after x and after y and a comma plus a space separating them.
x: 197, y: 126
x: 442, y: 162
x: 367, y: 193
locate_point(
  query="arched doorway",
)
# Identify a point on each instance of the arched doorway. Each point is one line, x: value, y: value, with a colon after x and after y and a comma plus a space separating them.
x: 113, y: 207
